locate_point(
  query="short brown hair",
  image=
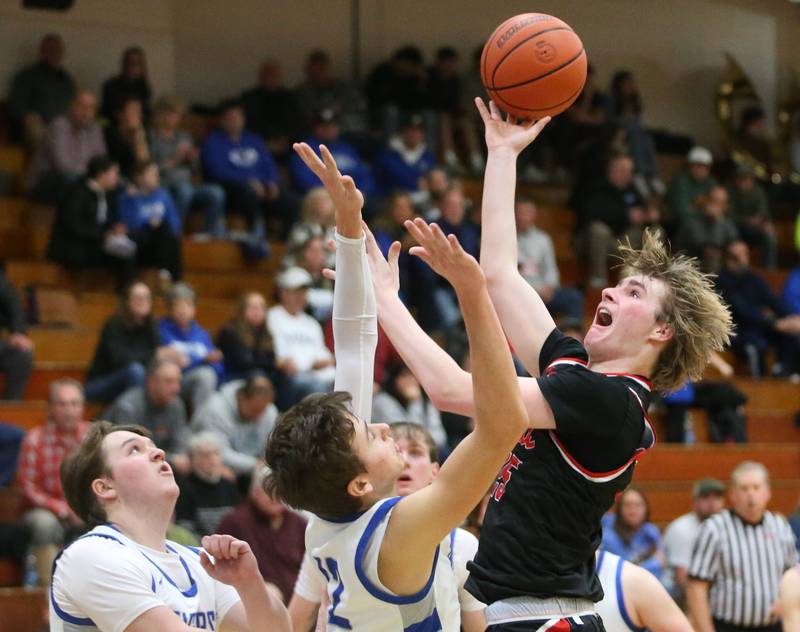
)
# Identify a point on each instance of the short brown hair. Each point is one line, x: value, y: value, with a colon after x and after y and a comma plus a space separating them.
x: 701, y: 321
x: 416, y: 433
x: 311, y: 458
x: 86, y: 463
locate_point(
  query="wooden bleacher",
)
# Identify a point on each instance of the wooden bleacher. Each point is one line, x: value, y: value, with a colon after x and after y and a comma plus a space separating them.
x: 73, y: 306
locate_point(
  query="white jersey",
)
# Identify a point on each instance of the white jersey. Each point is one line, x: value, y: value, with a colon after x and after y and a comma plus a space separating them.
x: 346, y: 553
x: 104, y: 581
x: 310, y: 584
x: 612, y: 608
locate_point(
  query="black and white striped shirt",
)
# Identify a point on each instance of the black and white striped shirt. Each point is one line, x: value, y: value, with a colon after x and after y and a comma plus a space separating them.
x: 744, y: 563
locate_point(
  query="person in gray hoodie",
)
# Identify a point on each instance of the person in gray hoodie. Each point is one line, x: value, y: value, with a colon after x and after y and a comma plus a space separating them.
x: 242, y: 413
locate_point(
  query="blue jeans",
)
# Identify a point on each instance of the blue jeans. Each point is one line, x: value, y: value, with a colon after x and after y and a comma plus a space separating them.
x: 208, y: 197
x: 10, y: 442
x: 106, y: 388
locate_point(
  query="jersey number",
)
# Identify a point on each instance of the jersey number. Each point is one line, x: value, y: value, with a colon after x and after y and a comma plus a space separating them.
x: 330, y: 570
x: 499, y: 489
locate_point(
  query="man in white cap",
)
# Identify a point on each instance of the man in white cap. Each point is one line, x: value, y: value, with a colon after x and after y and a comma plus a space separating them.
x: 687, y: 189
x: 300, y: 348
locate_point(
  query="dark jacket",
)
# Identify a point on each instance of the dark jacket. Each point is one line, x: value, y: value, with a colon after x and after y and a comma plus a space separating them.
x: 117, y: 89
x: 120, y: 345
x: 78, y: 231
x: 12, y: 318
x: 605, y: 203
x: 240, y: 360
x: 748, y: 295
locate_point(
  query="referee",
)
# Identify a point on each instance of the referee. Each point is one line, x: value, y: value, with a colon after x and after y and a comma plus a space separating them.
x: 739, y: 558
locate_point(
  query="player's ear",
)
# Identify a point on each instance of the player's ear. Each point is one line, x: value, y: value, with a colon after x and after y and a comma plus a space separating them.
x: 103, y: 489
x: 359, y: 486
x: 662, y: 332
x: 434, y: 470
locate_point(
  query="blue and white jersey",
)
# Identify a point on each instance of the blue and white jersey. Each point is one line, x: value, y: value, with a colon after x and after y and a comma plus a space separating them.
x: 612, y: 608
x: 104, y: 581
x: 346, y: 553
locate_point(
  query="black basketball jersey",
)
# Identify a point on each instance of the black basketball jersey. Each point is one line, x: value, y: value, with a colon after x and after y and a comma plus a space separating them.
x: 542, y: 525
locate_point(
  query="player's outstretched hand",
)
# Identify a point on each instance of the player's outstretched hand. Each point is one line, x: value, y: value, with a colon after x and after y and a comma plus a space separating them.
x: 445, y: 255
x: 347, y: 199
x: 508, y: 133
x: 234, y: 563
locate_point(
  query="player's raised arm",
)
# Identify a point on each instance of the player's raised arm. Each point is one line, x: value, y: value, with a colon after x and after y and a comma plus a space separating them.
x: 446, y: 383
x: 421, y: 520
x: 355, y: 320
x: 521, y: 310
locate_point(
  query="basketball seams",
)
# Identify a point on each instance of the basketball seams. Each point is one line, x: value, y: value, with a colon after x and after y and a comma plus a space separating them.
x: 524, y: 41
x: 499, y: 97
x: 580, y: 53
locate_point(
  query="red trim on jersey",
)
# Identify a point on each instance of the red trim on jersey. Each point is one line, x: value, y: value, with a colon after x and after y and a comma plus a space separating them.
x: 588, y: 473
x: 639, y: 378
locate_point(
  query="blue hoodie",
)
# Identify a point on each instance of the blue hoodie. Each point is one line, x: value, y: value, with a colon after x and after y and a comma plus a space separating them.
x: 393, y: 173
x: 347, y: 159
x: 136, y: 210
x: 195, y: 344
x: 226, y: 160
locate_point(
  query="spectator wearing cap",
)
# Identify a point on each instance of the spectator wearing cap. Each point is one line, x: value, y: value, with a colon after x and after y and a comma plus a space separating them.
x: 706, y: 233
x: 86, y: 231
x: 708, y: 498
x: 41, y: 92
x: 70, y: 142
x: 749, y: 209
x: 174, y: 151
x: 299, y: 340
x: 241, y: 414
x: 686, y: 191
x: 323, y: 90
x: 201, y: 361
x: 239, y: 161
x: 153, y: 222
x: 326, y: 130
x: 406, y: 161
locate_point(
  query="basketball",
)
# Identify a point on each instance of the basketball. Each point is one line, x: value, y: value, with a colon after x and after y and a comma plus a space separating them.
x: 533, y: 65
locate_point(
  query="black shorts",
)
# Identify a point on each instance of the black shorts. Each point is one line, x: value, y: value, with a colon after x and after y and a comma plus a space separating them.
x: 585, y: 623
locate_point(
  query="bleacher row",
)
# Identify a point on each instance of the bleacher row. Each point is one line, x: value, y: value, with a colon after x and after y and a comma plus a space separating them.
x: 71, y: 307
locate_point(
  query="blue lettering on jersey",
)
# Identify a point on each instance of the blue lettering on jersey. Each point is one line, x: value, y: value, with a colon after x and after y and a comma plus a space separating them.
x: 201, y: 620
x: 333, y: 573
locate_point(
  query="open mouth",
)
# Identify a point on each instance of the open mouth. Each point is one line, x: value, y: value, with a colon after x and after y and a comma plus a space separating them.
x: 165, y: 469
x: 603, y: 318
x: 404, y: 478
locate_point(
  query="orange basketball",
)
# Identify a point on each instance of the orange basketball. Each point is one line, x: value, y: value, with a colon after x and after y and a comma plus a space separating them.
x: 533, y: 65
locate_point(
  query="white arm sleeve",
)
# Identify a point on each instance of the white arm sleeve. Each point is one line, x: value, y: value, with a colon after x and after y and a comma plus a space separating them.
x: 355, y: 324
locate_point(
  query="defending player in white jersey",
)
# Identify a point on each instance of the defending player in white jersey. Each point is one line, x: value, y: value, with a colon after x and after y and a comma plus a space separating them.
x: 421, y: 457
x: 124, y: 575
x: 385, y: 559
x: 634, y: 600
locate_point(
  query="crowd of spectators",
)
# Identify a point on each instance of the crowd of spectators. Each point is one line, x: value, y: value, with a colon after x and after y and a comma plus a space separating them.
x: 126, y: 175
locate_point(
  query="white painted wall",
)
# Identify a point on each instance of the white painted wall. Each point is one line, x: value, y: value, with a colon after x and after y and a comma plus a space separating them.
x: 209, y: 49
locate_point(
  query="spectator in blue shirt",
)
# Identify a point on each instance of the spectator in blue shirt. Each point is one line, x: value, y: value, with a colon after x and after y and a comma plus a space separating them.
x: 761, y: 318
x: 406, y: 161
x: 791, y: 291
x: 629, y: 533
x: 153, y: 222
x: 240, y: 162
x: 325, y: 130
x: 200, y: 360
